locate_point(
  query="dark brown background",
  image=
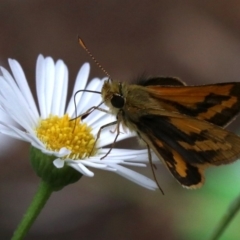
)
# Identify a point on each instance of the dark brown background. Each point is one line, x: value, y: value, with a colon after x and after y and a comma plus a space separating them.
x: 198, y: 41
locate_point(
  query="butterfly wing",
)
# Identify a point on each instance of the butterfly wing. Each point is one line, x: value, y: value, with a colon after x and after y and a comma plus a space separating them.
x: 161, y: 81
x: 216, y: 103
x: 187, y: 145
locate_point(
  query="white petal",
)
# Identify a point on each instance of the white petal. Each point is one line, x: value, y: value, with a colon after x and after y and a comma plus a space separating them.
x: 49, y: 83
x: 63, y: 152
x: 90, y: 163
x: 60, y: 89
x: 136, y: 177
x: 23, y: 84
x: 17, y: 111
x: 80, y: 84
x: 10, y: 133
x: 140, y: 155
x: 107, y: 137
x: 82, y: 169
x: 58, y: 163
x: 11, y: 95
x: 108, y: 161
x: 88, y: 100
x: 22, y: 134
x: 99, y: 118
x: 40, y: 85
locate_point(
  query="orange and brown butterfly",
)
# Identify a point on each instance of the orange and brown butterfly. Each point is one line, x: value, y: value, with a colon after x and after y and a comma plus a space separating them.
x: 183, y: 125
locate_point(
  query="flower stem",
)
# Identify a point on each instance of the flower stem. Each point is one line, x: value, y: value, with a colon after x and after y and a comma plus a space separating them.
x: 38, y: 202
x: 226, y: 219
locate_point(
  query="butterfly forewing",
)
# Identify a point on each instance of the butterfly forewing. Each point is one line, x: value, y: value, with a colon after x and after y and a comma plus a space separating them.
x: 216, y: 103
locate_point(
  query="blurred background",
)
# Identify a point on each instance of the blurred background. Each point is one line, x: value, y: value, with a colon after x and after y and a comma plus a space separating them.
x: 198, y: 41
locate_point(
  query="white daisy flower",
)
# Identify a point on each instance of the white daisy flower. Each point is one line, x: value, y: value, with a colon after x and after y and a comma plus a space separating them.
x: 49, y: 129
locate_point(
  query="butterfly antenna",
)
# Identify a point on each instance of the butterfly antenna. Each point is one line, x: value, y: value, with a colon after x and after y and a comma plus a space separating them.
x: 80, y: 41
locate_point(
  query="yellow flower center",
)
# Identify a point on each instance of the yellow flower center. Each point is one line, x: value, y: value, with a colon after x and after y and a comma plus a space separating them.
x: 58, y: 132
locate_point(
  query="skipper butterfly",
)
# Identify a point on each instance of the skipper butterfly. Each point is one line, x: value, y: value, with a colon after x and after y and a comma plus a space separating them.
x: 183, y: 125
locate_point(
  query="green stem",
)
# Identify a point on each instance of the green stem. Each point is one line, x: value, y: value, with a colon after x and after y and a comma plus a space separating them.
x: 38, y: 202
x: 226, y: 219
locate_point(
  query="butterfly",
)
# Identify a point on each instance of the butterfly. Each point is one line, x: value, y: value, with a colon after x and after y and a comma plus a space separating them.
x: 183, y: 125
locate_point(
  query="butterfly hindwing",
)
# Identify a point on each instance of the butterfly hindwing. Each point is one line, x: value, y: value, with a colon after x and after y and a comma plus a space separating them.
x: 187, y: 145
x: 188, y: 175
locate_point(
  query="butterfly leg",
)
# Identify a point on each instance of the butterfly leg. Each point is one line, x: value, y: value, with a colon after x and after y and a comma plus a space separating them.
x: 153, y: 167
x: 117, y: 130
x: 89, y: 111
x: 98, y: 135
x: 153, y: 170
x: 115, y: 139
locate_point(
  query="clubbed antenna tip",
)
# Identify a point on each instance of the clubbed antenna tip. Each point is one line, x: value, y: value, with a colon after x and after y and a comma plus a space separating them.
x: 82, y: 44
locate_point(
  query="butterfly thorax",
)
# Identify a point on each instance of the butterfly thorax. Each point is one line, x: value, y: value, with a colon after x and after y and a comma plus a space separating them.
x: 127, y: 101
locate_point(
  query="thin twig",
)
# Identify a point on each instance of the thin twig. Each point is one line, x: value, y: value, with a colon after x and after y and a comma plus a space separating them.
x: 226, y: 219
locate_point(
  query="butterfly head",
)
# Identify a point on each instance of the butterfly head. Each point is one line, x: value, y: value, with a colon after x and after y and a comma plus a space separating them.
x: 112, y: 95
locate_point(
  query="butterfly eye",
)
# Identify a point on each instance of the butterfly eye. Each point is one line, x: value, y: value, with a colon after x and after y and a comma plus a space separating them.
x: 117, y: 101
